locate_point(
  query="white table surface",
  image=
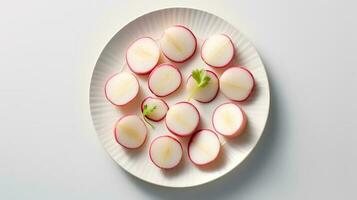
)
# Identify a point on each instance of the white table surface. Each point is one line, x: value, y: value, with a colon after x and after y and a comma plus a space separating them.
x: 48, y: 146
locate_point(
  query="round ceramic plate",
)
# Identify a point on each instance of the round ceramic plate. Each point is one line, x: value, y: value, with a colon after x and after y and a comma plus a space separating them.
x: 104, y: 114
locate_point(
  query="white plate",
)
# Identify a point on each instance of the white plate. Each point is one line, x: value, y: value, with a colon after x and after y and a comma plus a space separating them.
x: 104, y: 115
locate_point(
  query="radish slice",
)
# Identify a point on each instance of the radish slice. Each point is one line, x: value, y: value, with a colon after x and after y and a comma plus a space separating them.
x: 203, y: 147
x: 207, y: 93
x: 165, y: 152
x: 160, y: 111
x: 237, y: 83
x: 143, y: 55
x: 130, y: 132
x: 164, y: 80
x: 229, y: 120
x: 217, y: 50
x: 178, y: 43
x: 121, y: 88
x: 182, y: 119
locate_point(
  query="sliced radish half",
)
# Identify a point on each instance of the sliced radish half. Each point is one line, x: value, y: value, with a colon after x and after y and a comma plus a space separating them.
x: 182, y: 119
x: 143, y: 55
x: 178, y: 43
x: 121, y: 88
x: 237, y: 83
x: 164, y: 80
x: 160, y: 111
x: 207, y: 93
x: 217, y: 50
x: 130, y: 132
x: 204, y: 147
x: 165, y: 152
x: 229, y: 120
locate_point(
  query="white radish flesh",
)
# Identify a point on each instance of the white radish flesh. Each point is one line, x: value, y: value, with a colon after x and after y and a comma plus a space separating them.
x: 130, y: 132
x: 164, y: 80
x: 182, y: 119
x: 217, y: 50
x: 207, y: 93
x: 229, y: 120
x: 121, y: 88
x: 237, y: 83
x: 165, y: 152
x: 160, y: 110
x: 178, y: 43
x: 143, y: 55
x: 204, y: 147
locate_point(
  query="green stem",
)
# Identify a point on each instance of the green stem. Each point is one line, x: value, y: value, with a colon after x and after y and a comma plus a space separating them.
x: 193, y: 92
x: 147, y: 121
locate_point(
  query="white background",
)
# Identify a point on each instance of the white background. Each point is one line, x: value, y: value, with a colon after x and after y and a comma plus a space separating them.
x: 48, y: 146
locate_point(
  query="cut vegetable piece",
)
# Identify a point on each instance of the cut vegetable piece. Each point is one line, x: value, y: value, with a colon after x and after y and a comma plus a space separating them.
x: 182, y: 119
x: 164, y: 80
x: 130, y: 132
x: 204, y: 147
x: 160, y: 105
x: 165, y: 152
x: 207, y: 93
x: 229, y: 120
x: 178, y: 43
x: 121, y: 88
x: 217, y: 50
x: 143, y: 55
x: 237, y: 83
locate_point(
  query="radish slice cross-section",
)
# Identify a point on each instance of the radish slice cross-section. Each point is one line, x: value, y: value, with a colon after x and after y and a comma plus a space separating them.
x: 207, y: 93
x: 143, y: 55
x: 203, y: 147
x: 160, y: 111
x: 182, y: 119
x: 130, y: 132
x: 229, y: 120
x: 217, y: 51
x: 165, y: 152
x: 164, y: 80
x: 121, y: 88
x: 178, y: 43
x: 237, y: 83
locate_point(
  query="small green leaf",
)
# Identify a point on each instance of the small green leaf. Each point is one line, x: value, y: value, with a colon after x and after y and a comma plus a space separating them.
x: 196, y: 74
x: 204, y: 82
x: 147, y: 111
x: 199, y: 75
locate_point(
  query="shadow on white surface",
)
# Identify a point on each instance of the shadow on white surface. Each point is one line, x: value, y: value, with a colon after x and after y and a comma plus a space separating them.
x: 239, y: 179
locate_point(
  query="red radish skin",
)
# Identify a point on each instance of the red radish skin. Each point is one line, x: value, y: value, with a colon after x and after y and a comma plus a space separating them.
x: 120, y: 105
x: 188, y: 149
x: 127, y: 62
x: 238, y: 131
x: 251, y: 91
x: 198, y: 122
x: 194, y: 51
x: 172, y: 139
x: 161, y: 65
x: 225, y: 65
x: 209, y: 71
x: 142, y: 108
x: 116, y: 138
